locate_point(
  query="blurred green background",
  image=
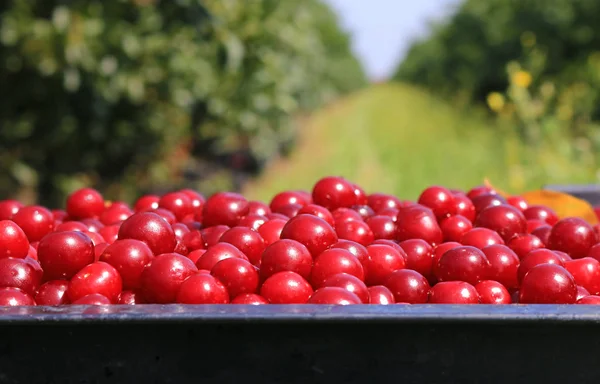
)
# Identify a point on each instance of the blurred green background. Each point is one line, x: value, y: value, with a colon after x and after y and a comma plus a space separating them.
x: 138, y: 96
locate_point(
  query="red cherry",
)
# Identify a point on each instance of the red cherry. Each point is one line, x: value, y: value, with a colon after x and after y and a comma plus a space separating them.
x: 481, y: 238
x: 96, y: 238
x: 484, y: 201
x: 349, y: 283
x: 389, y: 212
x: 237, y: 275
x: 357, y: 231
x: 408, y: 286
x: 537, y: 257
x: 196, y: 198
x: 179, y: 229
x: 542, y: 233
x: 52, y: 293
x: 524, y: 243
x: 504, y: 265
x: 271, y: 216
x: 518, y: 202
x: 59, y: 215
x: 419, y: 256
x: 164, y: 275
x: 311, y: 231
x: 440, y: 200
x: 418, y: 222
x: 8, y: 208
x: 224, y: 208
x: 193, y: 240
x: 146, y: 203
x: 178, y: 203
x: 548, y: 284
x: 382, y: 227
x: 333, y: 261
x: 358, y: 250
x: 465, y: 263
x: 286, y: 198
x: 334, y: 192
x: 165, y: 214
x: 252, y: 221
x: 343, y: 215
x: 541, y: 212
x: 93, y: 299
x: 35, y: 221
x: 392, y: 243
x: 334, y: 296
x: 317, y: 210
x: 289, y: 210
x: 286, y: 255
x: 249, y: 299
x: 212, y: 235
x: 586, y: 272
x: 130, y: 298
x: 380, y: 201
x: 506, y: 220
x: 32, y: 253
x: 563, y: 256
x: 454, y: 227
x: 383, y: 260
x: 595, y: 252
x: 359, y: 193
x: 20, y: 273
x: 271, y: 230
x: 363, y: 210
x: 13, y: 241
x: 581, y: 292
x: 216, y: 253
x: 14, y: 297
x: 480, y: 190
x: 437, y: 253
x: 110, y: 233
x: 492, y: 292
x: 115, y: 214
x: 63, y: 254
x: 71, y: 226
x: 258, y: 208
x: 379, y: 294
x: 84, y: 203
x: 286, y: 287
x: 129, y: 257
x: 453, y: 292
x: 98, y: 277
x: 464, y: 207
x: 572, y: 235
x: 196, y: 255
x: 152, y: 230
x: 590, y: 300
x: 246, y: 240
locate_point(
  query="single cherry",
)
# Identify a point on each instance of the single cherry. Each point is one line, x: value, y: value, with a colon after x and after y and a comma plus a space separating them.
x: 319, y: 211
x: 486, y: 200
x: 35, y: 221
x: 419, y: 256
x: 541, y: 212
x: 344, y: 215
x: 212, y: 235
x: 382, y: 227
x: 334, y: 296
x: 465, y: 263
x: 224, y: 208
x: 52, y: 293
x: 333, y: 261
x: 537, y: 257
x: 586, y: 272
x: 13, y: 240
x: 334, y: 192
x: 548, y: 284
x: 379, y: 294
x: 357, y: 231
x: 453, y: 292
x: 216, y: 253
x: 84, y: 203
x: 110, y: 233
x: 524, y: 243
x: 258, y: 208
x: 246, y: 240
x: 505, y: 219
x: 14, y: 297
x: 408, y: 286
x: 98, y: 277
x: 454, y: 227
x: 383, y: 260
x: 418, y: 222
x: 542, y: 232
x: 437, y: 253
x: 481, y: 238
x: 464, y: 207
x: 63, y: 254
x: 289, y: 210
x: 492, y: 292
x: 286, y: 255
x: 249, y: 299
x: 589, y: 300
x: 349, y: 283
x: 270, y: 231
x: 359, y: 251
x: 152, y: 230
x: 146, y: 203
x: 504, y: 265
x: 380, y: 201
x: 93, y: 299
x: 573, y: 236
x: 311, y: 231
x: 440, y: 200
x: 178, y: 203
x: 286, y: 287
x: 164, y: 275
x: 252, y: 221
x: 24, y: 274
x: 518, y: 202
x: 480, y: 190
x: 237, y: 275
x: 8, y: 208
x: 129, y: 257
x: 286, y: 198
x: 202, y: 288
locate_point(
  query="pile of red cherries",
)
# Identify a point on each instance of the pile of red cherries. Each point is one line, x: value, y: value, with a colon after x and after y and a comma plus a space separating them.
x: 336, y: 245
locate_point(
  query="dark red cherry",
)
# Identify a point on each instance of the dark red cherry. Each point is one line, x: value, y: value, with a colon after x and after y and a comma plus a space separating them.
x: 418, y: 222
x: 350, y: 283
x: 85, y: 203
x: 286, y: 287
x: 504, y: 265
x: 164, y: 275
x: 224, y: 208
x: 454, y: 227
x: 543, y: 233
x: 152, y: 230
x: 383, y: 227
x: 343, y: 215
x: 63, y: 254
x: 165, y: 214
x: 24, y: 274
x: 311, y: 231
x: 548, y: 284
x: 480, y: 190
x: 286, y: 255
x: 537, y: 257
x: 453, y: 292
x: 481, y: 238
x: 383, y: 260
x: 212, y: 235
x: 14, y: 297
x: 505, y: 219
x: 178, y: 203
x: 317, y: 210
x: 492, y: 292
x: 146, y: 203
x: 533, y: 225
x: 463, y: 264
x: 379, y: 294
x: 358, y: 250
x: 286, y: 198
x: 589, y: 300
x: 258, y: 208
x: 357, y: 231
x: 541, y: 212
x: 52, y: 293
x: 270, y: 231
x: 115, y: 214
x: 334, y: 192
x: 524, y: 243
x: 252, y: 221
x: 408, y: 286
x: 35, y: 221
x: 486, y: 200
x: 333, y: 261
x: 289, y: 210
x: 440, y: 200
x: 380, y: 201
x: 363, y: 210
x: 419, y: 256
x: 99, y: 277
x: 572, y: 235
x: 237, y: 275
x: 216, y: 253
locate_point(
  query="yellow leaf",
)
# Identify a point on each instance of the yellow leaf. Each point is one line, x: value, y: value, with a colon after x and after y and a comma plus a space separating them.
x: 563, y: 204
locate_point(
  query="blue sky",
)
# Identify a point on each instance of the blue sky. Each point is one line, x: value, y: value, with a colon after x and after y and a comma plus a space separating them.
x: 382, y: 30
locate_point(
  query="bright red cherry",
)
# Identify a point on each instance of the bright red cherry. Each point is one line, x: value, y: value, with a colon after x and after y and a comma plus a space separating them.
x: 180, y: 230
x: 389, y: 212
x: 465, y: 263
x: 289, y: 210
x: 419, y: 256
x: 334, y: 296
x: 344, y: 215
x: 543, y: 233
x: 110, y: 233
x: 408, y: 286
x: 164, y: 275
x: 165, y: 214
x: 333, y: 261
x: 349, y: 283
x: 20, y: 273
x: 563, y: 256
x: 279, y: 216
x: 14, y: 297
x: 484, y: 201
x: 270, y: 231
x: 524, y: 243
x: 589, y: 300
x: 258, y: 208
x: 480, y: 190
x: 357, y: 231
x: 115, y: 214
x: 504, y: 265
x: 437, y: 253
x: 130, y: 298
x: 212, y: 235
x: 146, y: 203
x: 129, y: 257
x: 572, y: 235
x: 382, y: 227
x: 481, y: 238
x: 63, y: 254
x: 492, y: 292
x: 518, y: 202
x: 586, y: 272
x: 334, y: 192
x: 237, y: 275
x: 359, y: 193
x: 286, y: 198
x: 216, y: 253
x: 311, y: 231
x: 152, y: 230
x: 246, y: 240
x: 454, y: 227
x: 96, y: 238
x: 363, y: 210
x: 35, y: 221
x: 537, y: 257
x: 506, y: 220
x: 249, y: 299
x: 178, y: 203
x: 379, y: 294
x: 464, y: 207
x: 418, y: 222
x: 358, y: 250
x: 548, y: 284
x: 71, y: 226
x: 252, y: 221
x: 13, y: 241
x: 8, y: 208
x: 383, y: 260
x: 286, y: 287
x: 84, y: 203
x: 197, y: 198
x: 453, y: 292
x: 224, y: 208
x: 93, y: 299
x: 52, y: 293
x: 381, y: 201
x: 440, y: 200
x: 541, y: 212
x: 286, y: 255
x: 319, y: 211
x: 196, y: 255
x: 98, y: 277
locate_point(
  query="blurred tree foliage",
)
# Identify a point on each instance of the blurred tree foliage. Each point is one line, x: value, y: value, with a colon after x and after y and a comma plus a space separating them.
x: 118, y: 94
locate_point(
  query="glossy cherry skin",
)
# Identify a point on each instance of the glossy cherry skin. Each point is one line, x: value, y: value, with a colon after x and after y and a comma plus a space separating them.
x: 418, y: 222
x: 167, y: 215
x: 537, y: 257
x: 349, y: 283
x: 504, y: 265
x: 24, y: 274
x: 319, y: 211
x: 453, y: 292
x: 84, y: 203
x: 224, y: 208
x: 541, y: 212
x: 563, y: 256
x: 152, y: 230
x: 270, y: 231
x: 464, y: 207
x: 548, y: 284
x: 196, y: 255
x: 390, y: 212
x: 358, y: 250
x: 492, y: 292
x: 379, y: 294
x: 286, y: 287
x: 249, y: 299
x: 163, y: 276
x: 35, y: 221
x: 344, y: 215
x: 52, y: 293
x: 286, y: 198
x: 178, y: 203
x: 419, y: 256
x: 334, y: 192
x: 380, y: 201
x: 93, y: 299
x: 589, y: 300
x: 334, y: 296
x: 14, y: 297
x: 180, y: 229
x: 408, y: 286
x: 484, y: 201
x: 480, y: 190
x: 129, y: 257
x: 524, y: 243
x: 454, y: 227
x: 465, y: 263
x: 518, y: 202
x: 594, y: 252
x: 216, y: 253
x: 252, y: 221
x: 237, y: 275
x: 440, y: 200
x: 279, y: 216
x: 586, y: 272
x: 382, y: 227
x: 8, y: 208
x: 246, y: 240
x: 130, y: 298
x: 146, y: 203
x: 98, y: 277
x: 572, y: 235
x: 383, y: 260
x: 258, y: 208
x: 212, y: 235
x: 481, y: 238
x: 13, y: 240
x: 63, y: 254
x: 110, y: 233
x: 506, y: 220
x: 71, y: 226
x: 581, y: 292
x: 360, y: 194
x: 202, y: 288
x: 363, y: 210
x: 289, y: 210
x: 286, y: 255
x: 115, y: 214
x: 311, y: 231
x: 437, y: 253
x: 332, y: 262
x: 357, y: 231
x: 542, y: 233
